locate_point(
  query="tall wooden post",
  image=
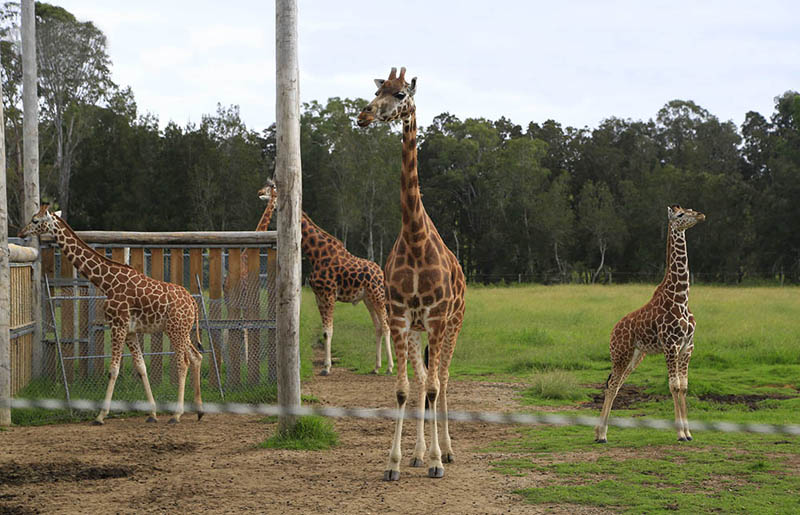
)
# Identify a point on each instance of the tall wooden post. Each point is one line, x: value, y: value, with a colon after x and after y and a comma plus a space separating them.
x: 30, y: 145
x: 288, y: 179
x: 5, y: 285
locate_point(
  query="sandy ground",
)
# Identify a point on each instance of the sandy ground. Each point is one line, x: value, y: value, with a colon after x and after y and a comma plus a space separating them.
x: 215, y: 466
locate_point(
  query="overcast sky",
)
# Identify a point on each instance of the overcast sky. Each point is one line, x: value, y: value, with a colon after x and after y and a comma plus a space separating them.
x: 577, y: 62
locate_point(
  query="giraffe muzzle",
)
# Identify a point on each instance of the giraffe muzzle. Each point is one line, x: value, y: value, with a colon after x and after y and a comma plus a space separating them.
x: 365, y: 119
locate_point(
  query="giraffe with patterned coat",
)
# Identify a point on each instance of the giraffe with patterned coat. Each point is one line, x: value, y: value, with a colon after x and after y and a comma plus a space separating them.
x: 338, y: 275
x: 134, y: 304
x: 663, y: 325
x: 426, y: 288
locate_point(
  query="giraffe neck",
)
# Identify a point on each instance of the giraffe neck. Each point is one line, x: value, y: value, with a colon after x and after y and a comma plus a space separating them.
x: 410, y: 198
x: 266, y: 216
x: 316, y: 243
x: 676, y: 276
x: 82, y: 256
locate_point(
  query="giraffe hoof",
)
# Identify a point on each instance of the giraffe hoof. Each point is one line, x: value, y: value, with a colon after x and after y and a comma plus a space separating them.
x: 416, y: 462
x: 682, y: 439
x: 391, y: 475
x: 375, y: 372
x: 449, y: 458
x: 601, y: 440
x: 389, y: 371
x: 436, y: 472
x: 689, y: 438
x: 173, y: 420
x: 324, y: 373
x: 98, y: 423
x: 151, y: 420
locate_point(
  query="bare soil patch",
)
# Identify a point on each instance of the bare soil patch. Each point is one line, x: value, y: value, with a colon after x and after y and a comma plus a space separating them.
x: 631, y: 396
x: 215, y: 466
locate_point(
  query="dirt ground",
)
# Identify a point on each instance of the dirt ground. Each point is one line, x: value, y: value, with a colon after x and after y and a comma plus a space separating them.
x: 214, y: 466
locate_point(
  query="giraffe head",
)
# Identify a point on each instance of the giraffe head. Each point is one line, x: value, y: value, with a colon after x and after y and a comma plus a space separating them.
x: 681, y: 219
x: 43, y: 222
x: 394, y: 99
x: 268, y: 192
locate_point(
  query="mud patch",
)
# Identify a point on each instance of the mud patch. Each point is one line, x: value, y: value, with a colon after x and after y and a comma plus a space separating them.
x: 750, y: 400
x: 20, y: 474
x: 628, y: 397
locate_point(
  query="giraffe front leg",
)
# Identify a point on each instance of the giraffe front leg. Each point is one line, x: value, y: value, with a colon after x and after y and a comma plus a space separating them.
x: 420, y: 373
x: 671, y: 355
x: 400, y: 337
x: 326, y: 303
x: 141, y: 369
x: 683, y: 387
x: 447, y: 355
x: 432, y: 388
x: 118, y: 334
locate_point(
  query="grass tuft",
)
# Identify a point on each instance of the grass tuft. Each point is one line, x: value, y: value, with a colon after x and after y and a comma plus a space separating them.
x: 557, y: 384
x: 308, y: 434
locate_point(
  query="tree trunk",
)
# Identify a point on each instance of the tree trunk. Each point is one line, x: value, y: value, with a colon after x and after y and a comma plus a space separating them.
x: 5, y: 286
x: 603, y: 246
x: 288, y: 181
x: 30, y: 134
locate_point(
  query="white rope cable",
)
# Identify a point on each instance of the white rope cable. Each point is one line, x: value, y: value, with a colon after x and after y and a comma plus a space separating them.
x: 389, y: 413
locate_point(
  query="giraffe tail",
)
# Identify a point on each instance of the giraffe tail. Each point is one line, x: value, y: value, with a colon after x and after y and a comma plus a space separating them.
x: 197, y: 328
x: 427, y: 403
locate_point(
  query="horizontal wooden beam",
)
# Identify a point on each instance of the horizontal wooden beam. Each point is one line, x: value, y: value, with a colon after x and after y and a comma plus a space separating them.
x: 176, y: 238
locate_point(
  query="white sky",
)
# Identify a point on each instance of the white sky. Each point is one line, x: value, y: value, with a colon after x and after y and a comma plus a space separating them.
x: 577, y: 62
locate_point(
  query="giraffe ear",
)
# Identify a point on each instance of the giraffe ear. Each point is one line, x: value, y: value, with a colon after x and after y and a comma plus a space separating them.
x: 412, y: 87
x: 379, y: 83
x: 670, y: 212
x: 58, y: 213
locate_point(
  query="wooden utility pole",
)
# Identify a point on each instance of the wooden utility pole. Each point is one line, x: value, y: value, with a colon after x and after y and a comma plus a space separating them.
x: 288, y: 180
x: 5, y: 285
x: 30, y: 146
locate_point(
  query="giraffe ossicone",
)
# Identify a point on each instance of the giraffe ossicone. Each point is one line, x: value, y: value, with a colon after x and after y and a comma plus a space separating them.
x: 338, y: 275
x: 426, y: 288
x: 664, y: 325
x: 135, y: 303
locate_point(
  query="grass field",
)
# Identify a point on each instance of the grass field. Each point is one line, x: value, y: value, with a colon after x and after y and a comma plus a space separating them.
x: 745, y: 367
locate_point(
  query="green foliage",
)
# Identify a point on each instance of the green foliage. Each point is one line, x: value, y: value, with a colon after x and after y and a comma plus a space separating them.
x: 308, y: 434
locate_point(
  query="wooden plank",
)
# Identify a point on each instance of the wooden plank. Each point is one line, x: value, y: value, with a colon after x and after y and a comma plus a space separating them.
x: 253, y: 312
x: 272, y: 299
x: 234, y: 303
x: 215, y: 307
x: 176, y: 276
x: 118, y: 255
x: 98, y: 337
x: 221, y: 238
x: 49, y: 352
x: 68, y: 319
x: 155, y: 370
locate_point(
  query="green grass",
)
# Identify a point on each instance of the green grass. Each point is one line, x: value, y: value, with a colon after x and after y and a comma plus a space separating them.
x: 308, y: 434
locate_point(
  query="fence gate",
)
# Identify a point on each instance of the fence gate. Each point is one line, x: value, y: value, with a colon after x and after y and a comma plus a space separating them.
x: 230, y: 275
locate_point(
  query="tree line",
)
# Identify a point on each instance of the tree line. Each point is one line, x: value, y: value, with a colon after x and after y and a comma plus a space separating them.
x: 537, y: 202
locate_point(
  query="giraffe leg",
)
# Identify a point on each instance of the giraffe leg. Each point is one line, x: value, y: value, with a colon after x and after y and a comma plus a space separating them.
x: 415, y: 353
x: 623, y: 364
x: 326, y: 304
x: 444, y: 377
x: 179, y: 341
x: 195, y: 361
x: 683, y: 387
x: 118, y: 334
x: 432, y: 389
x: 671, y: 354
x: 141, y: 369
x: 376, y: 323
x: 400, y: 337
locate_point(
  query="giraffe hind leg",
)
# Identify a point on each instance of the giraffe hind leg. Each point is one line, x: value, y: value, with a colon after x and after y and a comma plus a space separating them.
x: 118, y: 334
x: 621, y: 369
x: 141, y: 369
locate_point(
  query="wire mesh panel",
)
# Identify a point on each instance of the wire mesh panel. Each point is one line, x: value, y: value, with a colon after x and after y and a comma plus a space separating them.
x: 234, y: 289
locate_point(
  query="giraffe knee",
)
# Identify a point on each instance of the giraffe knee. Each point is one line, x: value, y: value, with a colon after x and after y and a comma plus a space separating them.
x: 432, y: 395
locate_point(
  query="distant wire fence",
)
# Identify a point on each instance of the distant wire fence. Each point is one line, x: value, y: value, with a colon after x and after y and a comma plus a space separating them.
x: 614, y: 276
x: 233, y: 283
x: 527, y: 419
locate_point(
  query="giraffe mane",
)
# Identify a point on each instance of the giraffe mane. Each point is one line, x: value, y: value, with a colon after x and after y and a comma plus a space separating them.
x: 72, y: 233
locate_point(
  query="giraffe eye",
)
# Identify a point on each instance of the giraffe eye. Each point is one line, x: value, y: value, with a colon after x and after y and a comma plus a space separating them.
x: 399, y: 96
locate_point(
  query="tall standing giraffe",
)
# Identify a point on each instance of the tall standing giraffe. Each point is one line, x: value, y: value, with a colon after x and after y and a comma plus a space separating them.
x: 134, y: 304
x: 426, y: 287
x: 663, y: 325
x: 337, y: 275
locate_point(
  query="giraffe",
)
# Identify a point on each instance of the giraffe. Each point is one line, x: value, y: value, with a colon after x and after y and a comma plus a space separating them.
x: 337, y: 275
x: 426, y: 288
x: 134, y: 304
x: 663, y: 325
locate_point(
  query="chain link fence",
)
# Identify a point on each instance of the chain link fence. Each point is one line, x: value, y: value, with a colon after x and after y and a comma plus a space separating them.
x: 234, y: 288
